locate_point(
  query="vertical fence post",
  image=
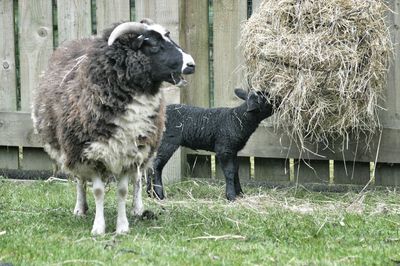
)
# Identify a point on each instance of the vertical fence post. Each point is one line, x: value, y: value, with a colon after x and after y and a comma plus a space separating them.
x: 35, y: 47
x: 73, y: 19
x: 166, y: 13
x: 8, y: 88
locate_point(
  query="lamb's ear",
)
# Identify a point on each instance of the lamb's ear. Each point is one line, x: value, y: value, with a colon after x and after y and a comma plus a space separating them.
x: 138, y: 42
x: 241, y: 93
x: 252, y: 102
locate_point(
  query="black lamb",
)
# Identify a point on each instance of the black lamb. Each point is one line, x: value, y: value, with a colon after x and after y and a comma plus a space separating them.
x: 224, y: 131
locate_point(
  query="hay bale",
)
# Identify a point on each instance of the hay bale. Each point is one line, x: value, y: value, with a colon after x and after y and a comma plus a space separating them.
x: 328, y: 59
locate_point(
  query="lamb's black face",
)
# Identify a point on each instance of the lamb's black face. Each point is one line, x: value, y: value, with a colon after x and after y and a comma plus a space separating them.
x: 168, y: 60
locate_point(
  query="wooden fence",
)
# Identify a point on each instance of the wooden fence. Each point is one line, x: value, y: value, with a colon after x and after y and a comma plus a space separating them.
x: 209, y: 30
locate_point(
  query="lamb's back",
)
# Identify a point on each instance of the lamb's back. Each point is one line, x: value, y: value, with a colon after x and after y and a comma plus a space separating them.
x: 195, y: 127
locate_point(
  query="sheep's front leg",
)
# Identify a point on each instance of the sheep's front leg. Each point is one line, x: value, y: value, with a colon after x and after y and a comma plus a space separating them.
x: 137, y: 198
x: 229, y: 167
x: 81, y: 205
x: 99, y: 225
x: 122, y: 193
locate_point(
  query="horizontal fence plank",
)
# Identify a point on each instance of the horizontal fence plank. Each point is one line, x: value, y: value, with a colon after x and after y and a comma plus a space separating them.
x: 16, y: 130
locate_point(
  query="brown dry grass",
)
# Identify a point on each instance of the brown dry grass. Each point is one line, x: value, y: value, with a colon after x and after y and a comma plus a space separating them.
x: 328, y: 59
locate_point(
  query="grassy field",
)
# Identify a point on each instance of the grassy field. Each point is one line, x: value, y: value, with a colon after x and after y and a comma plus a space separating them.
x: 197, y: 226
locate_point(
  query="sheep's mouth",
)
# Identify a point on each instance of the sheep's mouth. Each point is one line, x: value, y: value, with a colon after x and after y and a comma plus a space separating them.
x: 178, y: 80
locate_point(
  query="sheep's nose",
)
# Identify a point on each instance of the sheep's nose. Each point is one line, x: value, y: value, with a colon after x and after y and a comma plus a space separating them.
x: 189, y: 69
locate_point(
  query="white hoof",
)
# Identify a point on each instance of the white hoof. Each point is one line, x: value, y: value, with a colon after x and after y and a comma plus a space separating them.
x: 98, y: 230
x: 79, y: 211
x: 137, y: 211
x: 122, y: 227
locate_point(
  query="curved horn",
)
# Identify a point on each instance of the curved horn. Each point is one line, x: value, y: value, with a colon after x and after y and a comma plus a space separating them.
x: 147, y: 21
x: 125, y: 28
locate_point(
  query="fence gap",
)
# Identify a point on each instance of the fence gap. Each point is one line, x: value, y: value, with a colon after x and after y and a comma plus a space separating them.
x: 387, y: 174
x: 199, y: 166
x: 273, y: 170
x: 311, y: 171
x: 351, y: 172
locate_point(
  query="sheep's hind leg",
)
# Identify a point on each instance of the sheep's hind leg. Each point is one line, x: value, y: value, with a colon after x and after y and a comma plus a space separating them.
x: 81, y: 205
x: 99, y: 226
x: 137, y: 198
x: 122, y: 193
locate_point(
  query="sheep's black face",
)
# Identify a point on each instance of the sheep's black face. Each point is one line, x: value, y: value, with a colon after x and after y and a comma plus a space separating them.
x: 168, y: 60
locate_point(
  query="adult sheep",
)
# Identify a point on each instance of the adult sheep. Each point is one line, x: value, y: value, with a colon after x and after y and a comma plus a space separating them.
x: 100, y: 112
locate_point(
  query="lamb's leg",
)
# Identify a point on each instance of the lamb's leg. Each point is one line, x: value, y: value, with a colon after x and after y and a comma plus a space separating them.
x: 81, y: 205
x: 238, y: 187
x: 164, y: 153
x: 99, y: 226
x: 229, y: 167
x: 137, y: 198
x: 122, y: 193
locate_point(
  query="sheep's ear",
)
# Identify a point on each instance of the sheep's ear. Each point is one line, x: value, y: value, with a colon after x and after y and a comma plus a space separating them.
x: 241, y: 93
x: 137, y: 43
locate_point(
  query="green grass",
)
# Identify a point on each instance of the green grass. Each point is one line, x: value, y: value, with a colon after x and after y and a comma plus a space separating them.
x: 197, y: 226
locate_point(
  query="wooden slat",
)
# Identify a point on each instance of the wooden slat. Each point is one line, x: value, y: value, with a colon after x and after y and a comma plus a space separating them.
x: 8, y: 158
x: 8, y: 91
x: 256, y: 4
x: 390, y: 117
x: 194, y: 39
x: 173, y: 170
x: 199, y: 166
x: 74, y: 19
x: 387, y: 174
x: 16, y: 130
x: 228, y: 16
x: 275, y: 170
x: 35, y: 159
x: 8, y: 86
x: 244, y: 168
x: 111, y: 11
x: 311, y: 171
x: 35, y: 45
x: 164, y: 12
x: 351, y: 173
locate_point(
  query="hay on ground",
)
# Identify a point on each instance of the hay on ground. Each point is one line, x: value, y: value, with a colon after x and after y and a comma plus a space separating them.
x: 328, y: 59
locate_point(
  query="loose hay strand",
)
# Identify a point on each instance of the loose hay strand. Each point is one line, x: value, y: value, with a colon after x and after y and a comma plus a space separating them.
x: 327, y: 59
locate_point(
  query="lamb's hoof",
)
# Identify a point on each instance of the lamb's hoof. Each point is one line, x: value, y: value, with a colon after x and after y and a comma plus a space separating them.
x: 240, y: 194
x: 149, y: 215
x: 122, y: 227
x: 159, y: 193
x: 98, y: 230
x: 231, y: 196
